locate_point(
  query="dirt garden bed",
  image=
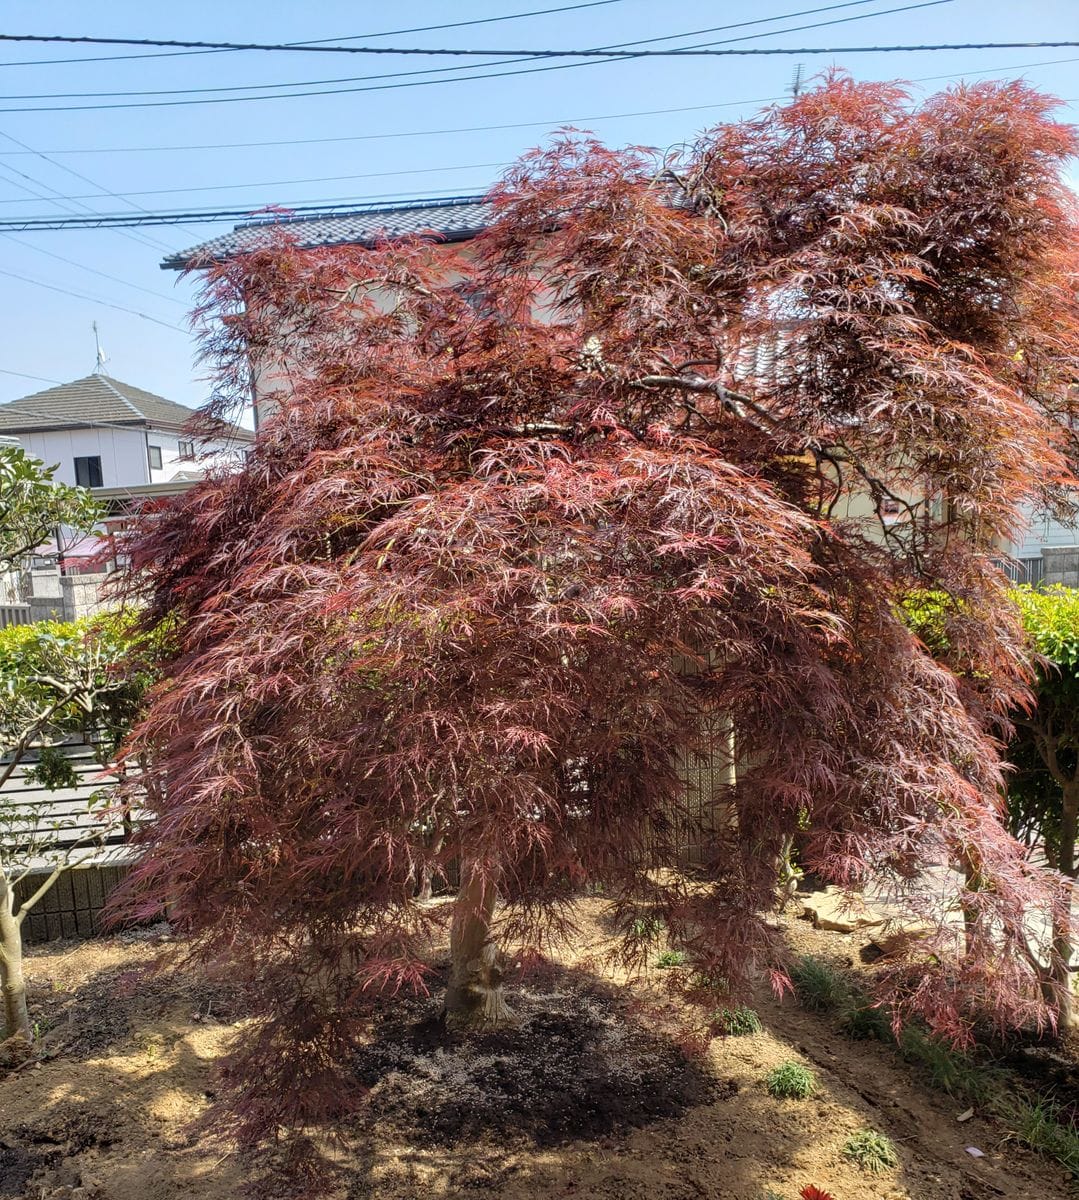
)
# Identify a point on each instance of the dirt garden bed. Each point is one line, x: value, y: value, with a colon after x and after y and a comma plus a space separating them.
x: 591, y: 1096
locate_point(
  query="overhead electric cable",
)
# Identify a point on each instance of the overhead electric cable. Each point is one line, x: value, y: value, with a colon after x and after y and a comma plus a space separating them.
x: 92, y: 299
x: 343, y: 204
x: 593, y: 56
x: 52, y: 196
x: 225, y: 187
x: 549, y: 123
x: 540, y: 12
x: 552, y: 53
x: 37, y: 378
x: 598, y: 50
x: 92, y: 270
x: 86, y: 179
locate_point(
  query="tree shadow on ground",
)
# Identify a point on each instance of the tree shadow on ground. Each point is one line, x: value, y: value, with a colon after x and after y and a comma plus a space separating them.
x: 589, y: 1094
x: 576, y: 1062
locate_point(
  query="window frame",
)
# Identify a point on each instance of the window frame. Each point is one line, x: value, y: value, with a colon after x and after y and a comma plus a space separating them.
x: 89, y: 471
x: 150, y: 450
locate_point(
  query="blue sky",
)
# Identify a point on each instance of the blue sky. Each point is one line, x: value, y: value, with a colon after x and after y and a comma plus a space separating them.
x: 398, y: 141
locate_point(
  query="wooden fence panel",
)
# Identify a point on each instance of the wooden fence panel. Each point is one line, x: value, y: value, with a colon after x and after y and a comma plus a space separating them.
x: 61, y: 821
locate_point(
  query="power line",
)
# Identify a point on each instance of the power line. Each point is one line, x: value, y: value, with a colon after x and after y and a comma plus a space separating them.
x: 528, y: 53
x: 225, y: 187
x: 86, y: 179
x: 541, y: 12
x: 36, y: 378
x: 342, y: 205
x: 598, y: 50
x: 529, y: 71
x: 613, y: 53
x: 91, y: 270
x: 549, y: 123
x: 92, y: 299
x: 60, y: 201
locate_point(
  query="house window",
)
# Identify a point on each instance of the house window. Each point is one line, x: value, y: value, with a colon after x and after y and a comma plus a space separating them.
x: 155, y: 457
x: 186, y: 451
x: 88, y: 471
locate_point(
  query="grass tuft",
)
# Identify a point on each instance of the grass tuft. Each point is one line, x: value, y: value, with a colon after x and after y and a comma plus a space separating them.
x: 737, y: 1022
x: 950, y: 1070
x: 1037, y: 1124
x: 671, y: 958
x: 864, y: 1021
x: 791, y: 1081
x: 872, y: 1151
x: 820, y: 988
x: 647, y: 929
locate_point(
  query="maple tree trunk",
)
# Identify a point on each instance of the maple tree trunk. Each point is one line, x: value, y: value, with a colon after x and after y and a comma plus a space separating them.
x: 12, y: 984
x: 474, y: 995
x: 426, y: 892
x: 1063, y: 945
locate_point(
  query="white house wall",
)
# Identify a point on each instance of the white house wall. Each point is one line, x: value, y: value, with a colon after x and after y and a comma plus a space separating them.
x: 1041, y: 531
x: 122, y: 453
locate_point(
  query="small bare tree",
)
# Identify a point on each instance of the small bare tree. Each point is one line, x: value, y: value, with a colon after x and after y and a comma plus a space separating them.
x: 51, y: 681
x: 56, y: 682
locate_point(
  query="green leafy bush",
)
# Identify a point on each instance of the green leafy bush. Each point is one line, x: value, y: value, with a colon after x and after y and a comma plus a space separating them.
x: 671, y: 958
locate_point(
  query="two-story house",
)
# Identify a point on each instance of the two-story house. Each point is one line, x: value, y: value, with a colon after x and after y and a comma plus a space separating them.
x: 124, y: 443
x: 1045, y: 548
x: 102, y: 433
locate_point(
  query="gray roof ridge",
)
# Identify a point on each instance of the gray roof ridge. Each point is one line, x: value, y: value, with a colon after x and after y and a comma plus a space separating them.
x: 361, y: 208
x: 111, y: 384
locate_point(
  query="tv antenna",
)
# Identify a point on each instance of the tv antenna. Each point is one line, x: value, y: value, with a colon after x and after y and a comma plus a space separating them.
x: 100, y: 360
x: 796, y: 81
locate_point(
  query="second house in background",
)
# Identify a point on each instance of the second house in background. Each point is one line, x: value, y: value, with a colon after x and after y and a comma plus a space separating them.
x: 102, y: 433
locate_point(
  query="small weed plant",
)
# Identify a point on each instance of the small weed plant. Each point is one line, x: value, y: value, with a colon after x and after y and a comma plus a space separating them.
x: 872, y: 1151
x: 645, y: 929
x: 791, y: 1081
x: 820, y: 988
x: 671, y: 958
x: 1038, y: 1124
x: 864, y: 1021
x: 1035, y: 1121
x: 737, y: 1022
x: 949, y: 1069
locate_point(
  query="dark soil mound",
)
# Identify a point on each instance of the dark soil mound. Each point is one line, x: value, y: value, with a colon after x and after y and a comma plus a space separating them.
x: 575, y: 1065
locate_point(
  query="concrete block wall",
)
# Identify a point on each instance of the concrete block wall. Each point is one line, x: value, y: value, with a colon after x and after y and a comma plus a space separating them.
x: 1061, y: 565
x: 56, y: 597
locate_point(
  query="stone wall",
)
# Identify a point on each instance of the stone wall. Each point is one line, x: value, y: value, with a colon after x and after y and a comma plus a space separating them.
x: 56, y: 597
x: 1061, y: 565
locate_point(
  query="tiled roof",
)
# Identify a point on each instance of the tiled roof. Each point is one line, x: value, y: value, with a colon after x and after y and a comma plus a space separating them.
x: 453, y: 219
x: 89, y: 401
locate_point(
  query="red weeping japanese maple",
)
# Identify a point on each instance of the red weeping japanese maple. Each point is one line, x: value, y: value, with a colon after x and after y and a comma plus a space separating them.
x: 673, y: 438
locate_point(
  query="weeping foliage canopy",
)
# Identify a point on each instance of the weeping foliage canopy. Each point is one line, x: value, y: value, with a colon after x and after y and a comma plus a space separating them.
x: 669, y: 437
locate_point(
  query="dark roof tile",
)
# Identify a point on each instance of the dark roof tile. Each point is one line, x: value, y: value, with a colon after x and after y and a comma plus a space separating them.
x: 84, y: 402
x: 453, y: 219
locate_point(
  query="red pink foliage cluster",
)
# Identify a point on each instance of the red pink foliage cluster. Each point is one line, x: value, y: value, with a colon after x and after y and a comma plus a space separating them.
x: 674, y: 437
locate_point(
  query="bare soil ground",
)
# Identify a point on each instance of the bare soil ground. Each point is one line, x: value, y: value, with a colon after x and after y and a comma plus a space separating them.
x: 590, y: 1097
